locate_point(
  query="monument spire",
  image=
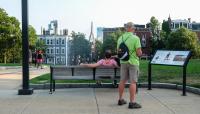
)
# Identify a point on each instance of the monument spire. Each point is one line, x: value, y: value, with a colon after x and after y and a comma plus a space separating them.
x: 92, y: 41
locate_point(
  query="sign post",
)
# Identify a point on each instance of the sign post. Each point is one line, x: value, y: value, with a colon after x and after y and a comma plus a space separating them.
x: 170, y: 58
x: 149, y: 76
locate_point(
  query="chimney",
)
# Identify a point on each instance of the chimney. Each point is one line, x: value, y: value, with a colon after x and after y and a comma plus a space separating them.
x: 65, y: 32
x: 189, y: 19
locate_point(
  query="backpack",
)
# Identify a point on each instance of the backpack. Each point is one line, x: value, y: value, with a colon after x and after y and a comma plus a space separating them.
x: 123, y: 51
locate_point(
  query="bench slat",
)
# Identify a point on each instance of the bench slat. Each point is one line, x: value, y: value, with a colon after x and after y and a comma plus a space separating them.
x: 62, y: 71
x: 83, y: 71
x: 73, y: 77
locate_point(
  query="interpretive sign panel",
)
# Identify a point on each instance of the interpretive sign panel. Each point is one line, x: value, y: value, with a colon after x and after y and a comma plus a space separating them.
x: 164, y: 57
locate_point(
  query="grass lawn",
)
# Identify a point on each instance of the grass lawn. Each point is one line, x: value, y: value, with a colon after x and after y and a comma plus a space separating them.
x: 10, y: 64
x: 172, y: 74
x: 164, y: 74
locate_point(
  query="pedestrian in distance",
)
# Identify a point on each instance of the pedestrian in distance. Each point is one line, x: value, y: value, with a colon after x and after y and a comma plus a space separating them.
x: 39, y: 59
x: 34, y: 58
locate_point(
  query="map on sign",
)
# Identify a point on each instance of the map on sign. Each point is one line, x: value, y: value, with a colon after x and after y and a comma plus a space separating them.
x: 170, y: 57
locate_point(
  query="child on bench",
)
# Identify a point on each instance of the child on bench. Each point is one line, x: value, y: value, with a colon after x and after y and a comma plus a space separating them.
x: 108, y: 61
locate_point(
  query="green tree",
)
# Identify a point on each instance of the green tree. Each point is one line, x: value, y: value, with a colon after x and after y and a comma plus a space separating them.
x: 10, y: 37
x: 79, y: 46
x: 98, y: 49
x: 32, y: 36
x: 184, y: 39
x: 154, y: 26
x: 165, y: 27
x: 111, y: 41
x: 40, y: 45
x: 157, y: 40
x: 109, y: 44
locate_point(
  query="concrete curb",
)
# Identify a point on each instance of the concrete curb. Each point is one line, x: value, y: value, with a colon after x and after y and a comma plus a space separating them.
x: 72, y: 85
x: 172, y: 86
x: 17, y: 67
x: 9, y: 67
x: 109, y: 85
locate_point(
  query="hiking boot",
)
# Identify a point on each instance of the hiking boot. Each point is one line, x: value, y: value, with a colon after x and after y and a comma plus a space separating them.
x: 121, y: 102
x: 134, y: 105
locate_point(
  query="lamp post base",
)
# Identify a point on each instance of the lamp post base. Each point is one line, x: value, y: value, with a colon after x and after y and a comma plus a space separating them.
x: 25, y: 91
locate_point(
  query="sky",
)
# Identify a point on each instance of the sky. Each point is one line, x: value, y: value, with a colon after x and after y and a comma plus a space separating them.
x: 77, y: 15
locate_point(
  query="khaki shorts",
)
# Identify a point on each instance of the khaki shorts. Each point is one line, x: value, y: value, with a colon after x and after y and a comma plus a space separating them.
x: 129, y: 71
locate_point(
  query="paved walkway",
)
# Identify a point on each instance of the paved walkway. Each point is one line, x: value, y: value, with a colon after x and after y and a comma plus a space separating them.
x: 89, y: 100
x: 11, y: 78
x: 97, y: 101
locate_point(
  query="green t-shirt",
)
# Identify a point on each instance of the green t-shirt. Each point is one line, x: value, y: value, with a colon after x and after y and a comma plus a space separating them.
x: 133, y: 43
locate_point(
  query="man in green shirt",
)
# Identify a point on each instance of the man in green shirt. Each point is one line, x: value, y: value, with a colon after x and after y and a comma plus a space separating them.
x: 130, y: 68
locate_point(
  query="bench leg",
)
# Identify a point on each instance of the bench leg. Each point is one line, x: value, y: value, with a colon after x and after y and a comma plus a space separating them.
x: 50, y: 91
x: 54, y: 85
x: 99, y: 82
x: 115, y: 83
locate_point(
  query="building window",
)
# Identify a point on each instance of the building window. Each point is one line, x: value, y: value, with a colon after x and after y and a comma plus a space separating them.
x: 63, y: 51
x: 47, y: 50
x: 51, y: 50
x: 62, y: 60
x: 58, y: 60
x: 172, y: 25
x: 181, y: 24
x: 57, y: 41
x: 176, y: 25
x: 47, y: 41
x: 57, y: 50
x: 185, y: 25
x: 51, y: 41
x: 63, y: 41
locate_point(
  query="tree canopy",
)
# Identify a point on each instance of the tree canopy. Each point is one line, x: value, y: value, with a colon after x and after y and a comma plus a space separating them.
x: 79, y: 46
x: 184, y: 39
x: 10, y: 38
x: 32, y: 36
x: 154, y: 25
x: 165, y: 27
x: 111, y: 41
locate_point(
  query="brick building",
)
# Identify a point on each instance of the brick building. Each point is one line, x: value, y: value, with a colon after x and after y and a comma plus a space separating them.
x: 143, y: 33
x: 145, y: 36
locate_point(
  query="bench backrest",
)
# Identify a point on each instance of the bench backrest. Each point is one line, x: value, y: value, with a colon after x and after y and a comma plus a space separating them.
x: 64, y: 72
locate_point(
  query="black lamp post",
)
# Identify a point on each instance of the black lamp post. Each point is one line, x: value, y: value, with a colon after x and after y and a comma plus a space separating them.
x: 25, y: 48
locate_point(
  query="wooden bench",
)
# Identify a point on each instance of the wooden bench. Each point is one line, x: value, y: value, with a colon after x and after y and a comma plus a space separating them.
x: 78, y: 72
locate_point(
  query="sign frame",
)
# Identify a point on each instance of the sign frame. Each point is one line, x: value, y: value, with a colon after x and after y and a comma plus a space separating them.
x: 183, y: 65
x: 182, y: 59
